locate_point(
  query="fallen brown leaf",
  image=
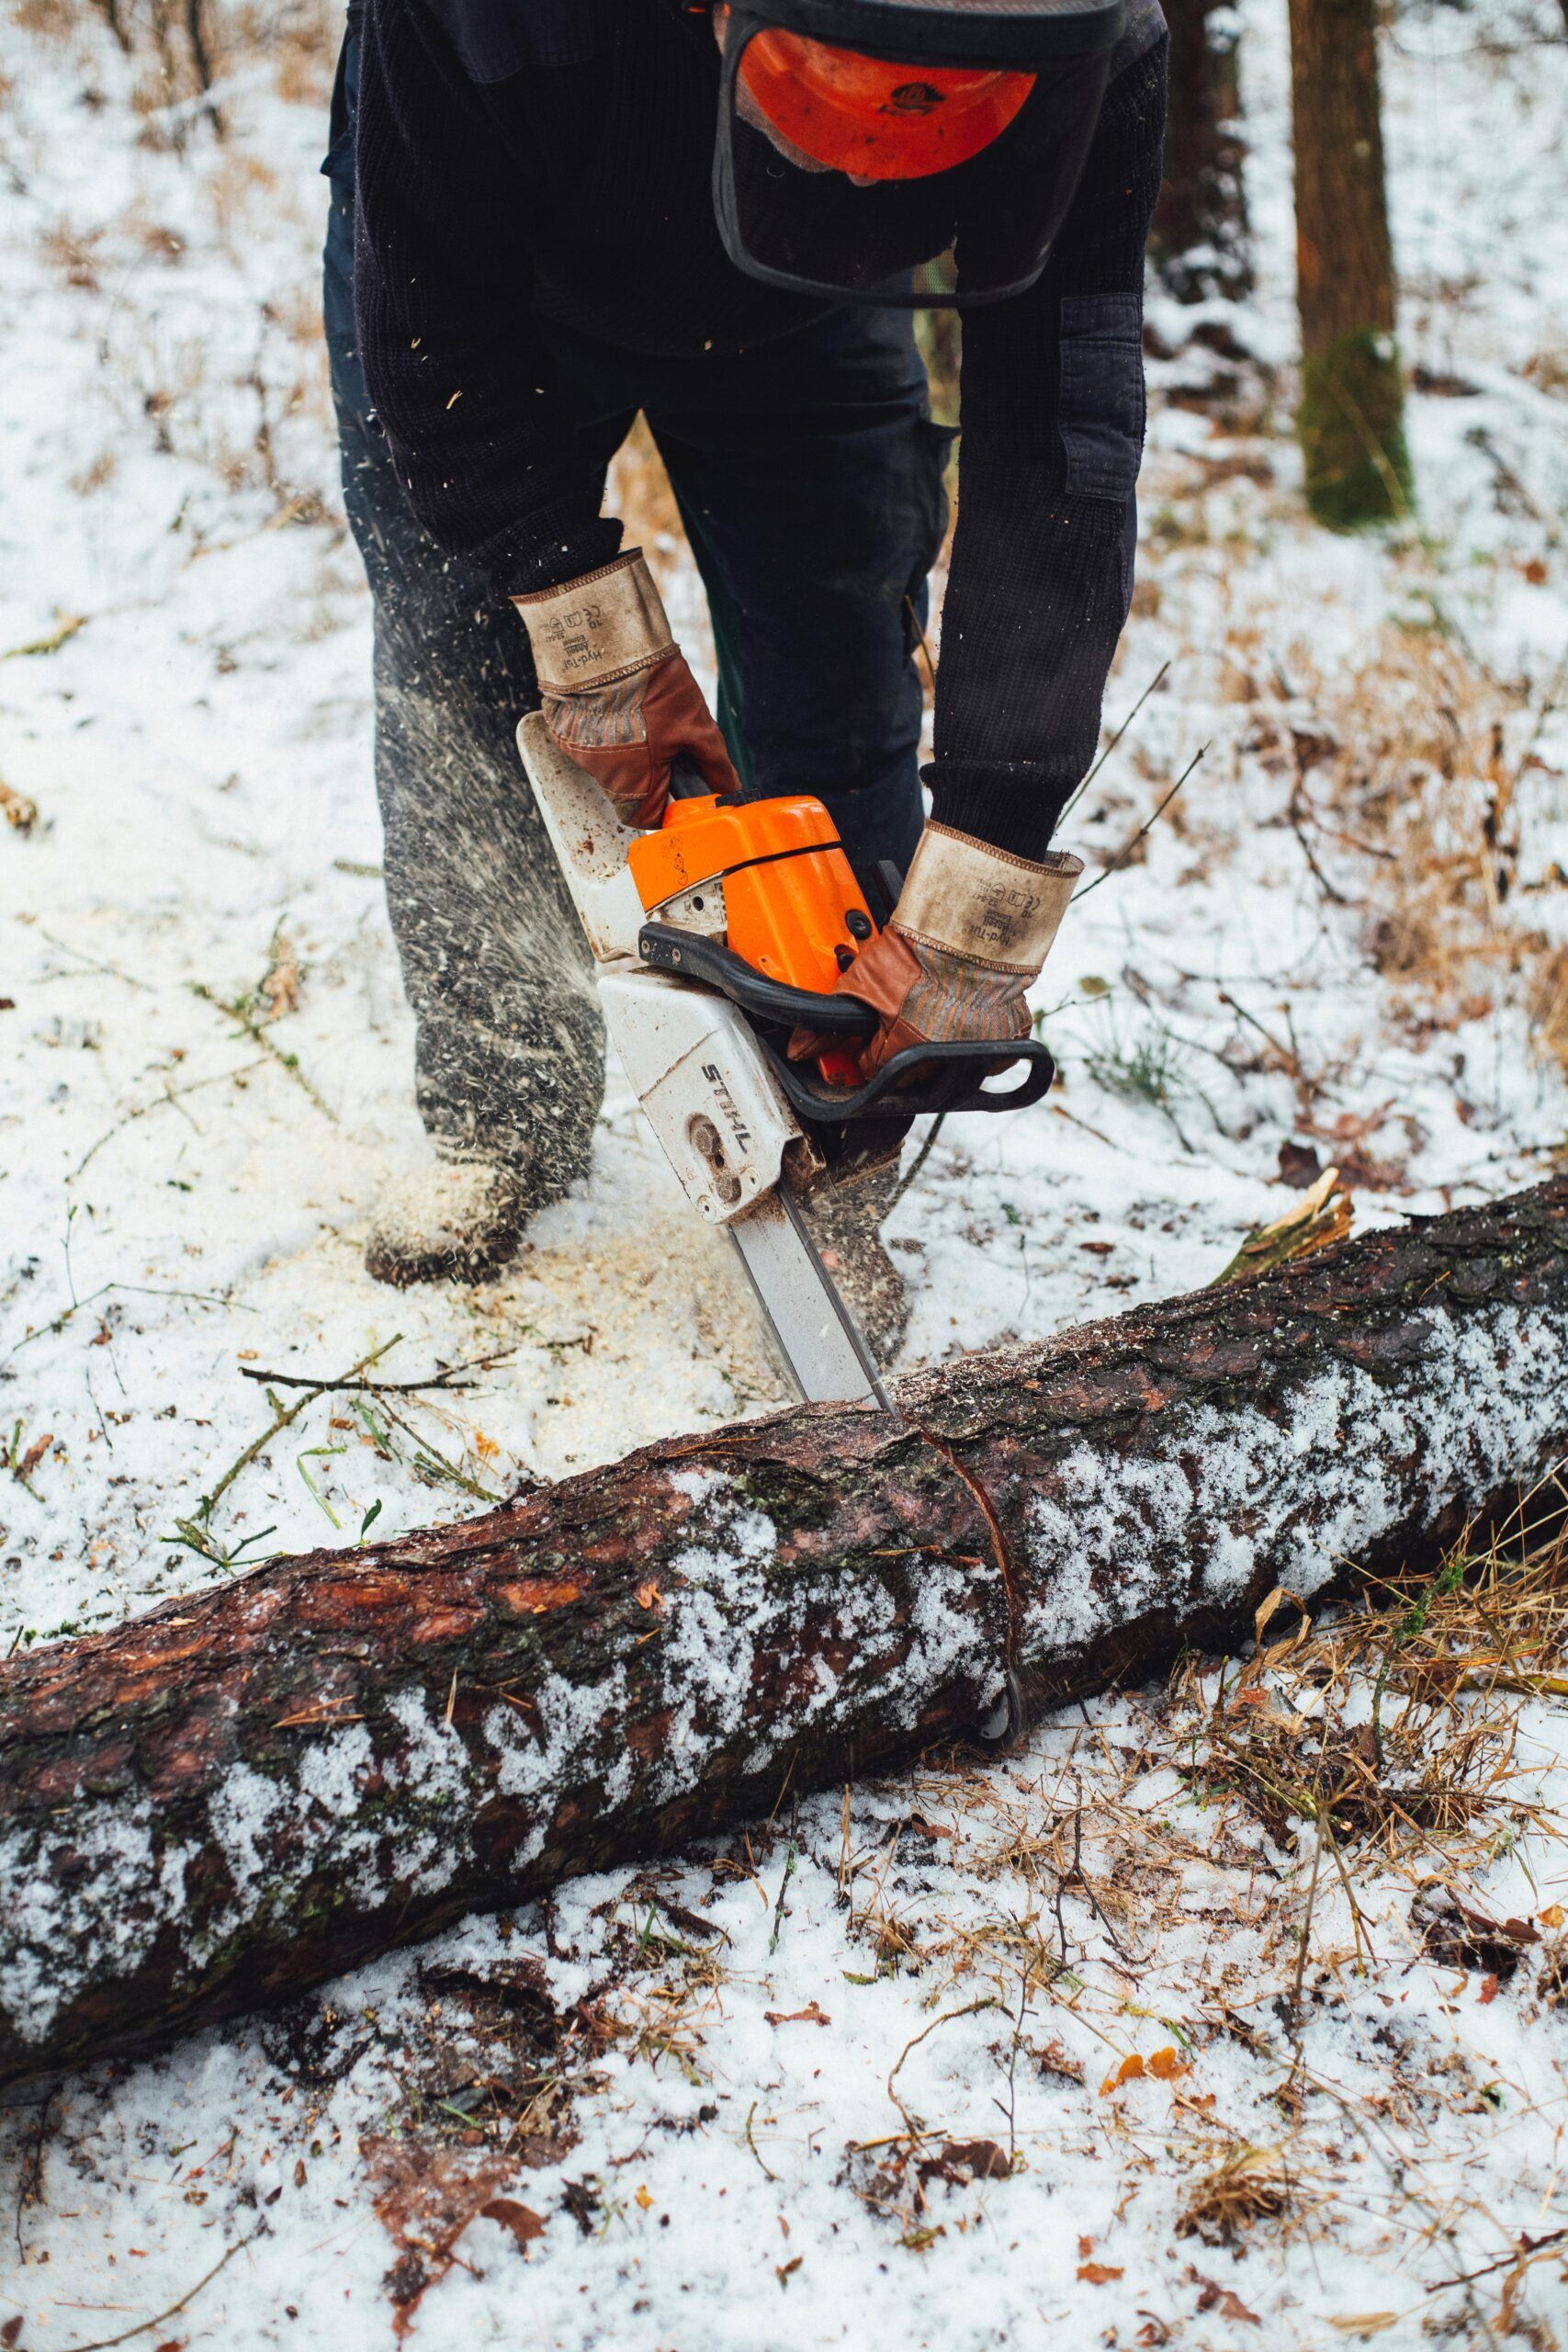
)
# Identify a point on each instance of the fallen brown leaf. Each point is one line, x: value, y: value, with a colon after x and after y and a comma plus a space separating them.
x: 982, y: 2158
x: 1164, y: 2064
x: 1200, y: 2101
x: 281, y: 989
x: 809, y: 2015
x: 1214, y: 2298
x: 1099, y: 2274
x: 1299, y: 1165
x: 525, y: 2224
x: 33, y: 1457
x: 20, y: 813
x: 426, y: 2194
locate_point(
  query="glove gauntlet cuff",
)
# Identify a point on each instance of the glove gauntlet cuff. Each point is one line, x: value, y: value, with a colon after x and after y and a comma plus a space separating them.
x: 982, y: 904
x: 589, y: 632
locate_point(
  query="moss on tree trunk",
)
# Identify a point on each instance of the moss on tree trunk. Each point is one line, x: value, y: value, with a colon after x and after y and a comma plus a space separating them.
x: 1351, y: 418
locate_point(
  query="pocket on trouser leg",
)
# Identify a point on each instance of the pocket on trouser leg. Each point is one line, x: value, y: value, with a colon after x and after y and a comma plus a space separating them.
x: 1101, y: 408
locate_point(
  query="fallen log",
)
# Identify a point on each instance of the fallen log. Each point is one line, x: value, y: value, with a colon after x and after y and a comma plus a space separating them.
x: 241, y: 1793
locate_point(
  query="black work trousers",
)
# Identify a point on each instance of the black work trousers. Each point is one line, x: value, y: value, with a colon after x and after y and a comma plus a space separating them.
x: 808, y: 477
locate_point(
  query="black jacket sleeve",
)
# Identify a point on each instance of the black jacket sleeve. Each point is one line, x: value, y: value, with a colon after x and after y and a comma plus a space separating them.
x: 1053, y: 434
x: 482, y: 442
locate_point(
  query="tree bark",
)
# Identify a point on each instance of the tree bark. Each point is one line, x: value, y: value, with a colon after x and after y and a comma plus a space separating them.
x: 241, y: 1793
x: 1350, y: 421
x: 1199, y: 242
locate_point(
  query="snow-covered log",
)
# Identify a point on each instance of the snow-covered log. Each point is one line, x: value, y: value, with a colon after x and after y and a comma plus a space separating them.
x: 241, y: 1793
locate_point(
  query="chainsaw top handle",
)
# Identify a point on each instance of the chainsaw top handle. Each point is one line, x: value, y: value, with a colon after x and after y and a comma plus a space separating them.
x: 952, y: 1075
x: 687, y: 781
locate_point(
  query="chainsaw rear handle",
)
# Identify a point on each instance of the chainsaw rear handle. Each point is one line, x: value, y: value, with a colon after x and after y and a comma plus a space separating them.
x: 952, y: 1074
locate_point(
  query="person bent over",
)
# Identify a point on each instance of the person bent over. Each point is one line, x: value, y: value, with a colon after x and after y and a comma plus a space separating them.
x: 550, y: 215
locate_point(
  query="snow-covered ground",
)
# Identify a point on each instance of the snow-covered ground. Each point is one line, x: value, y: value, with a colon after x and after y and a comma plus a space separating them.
x: 204, y: 1082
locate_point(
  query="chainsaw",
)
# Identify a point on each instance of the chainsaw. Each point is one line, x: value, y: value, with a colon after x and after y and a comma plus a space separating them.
x: 714, y: 938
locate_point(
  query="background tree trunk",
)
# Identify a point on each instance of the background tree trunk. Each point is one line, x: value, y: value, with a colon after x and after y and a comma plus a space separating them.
x: 1351, y: 421
x: 245, y: 1792
x: 1200, y: 244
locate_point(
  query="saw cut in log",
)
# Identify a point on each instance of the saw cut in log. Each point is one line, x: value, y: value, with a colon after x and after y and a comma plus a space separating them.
x: 241, y: 1793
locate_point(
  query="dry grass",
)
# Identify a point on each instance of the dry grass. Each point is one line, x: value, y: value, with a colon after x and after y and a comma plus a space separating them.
x: 1251, y: 2185
x: 641, y: 495
x: 1548, y: 371
x: 1347, y: 1787
x: 1411, y: 790
x: 1419, y: 783
x: 1395, y: 1726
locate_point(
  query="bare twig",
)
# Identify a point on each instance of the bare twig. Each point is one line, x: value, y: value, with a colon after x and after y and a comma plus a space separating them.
x: 779, y: 1898
x: 1152, y: 686
x: 1293, y: 817
x: 112, y: 971
x: 170, y: 1099
x: 104, y: 2343
x: 986, y: 2001
x: 252, y: 1028
x: 1130, y: 846
x: 1074, y: 1120
x: 131, y: 1290
x: 1306, y: 1923
x: 65, y: 630
x: 282, y: 1416
x: 1528, y: 2250
x: 924, y: 1153
x: 751, y: 2144
x: 446, y: 1379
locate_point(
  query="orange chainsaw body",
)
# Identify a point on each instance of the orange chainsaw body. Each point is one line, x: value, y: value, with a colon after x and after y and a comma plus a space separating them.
x: 792, y: 907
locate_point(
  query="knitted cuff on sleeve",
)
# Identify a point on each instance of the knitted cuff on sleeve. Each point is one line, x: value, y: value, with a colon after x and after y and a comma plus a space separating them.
x: 1011, y: 804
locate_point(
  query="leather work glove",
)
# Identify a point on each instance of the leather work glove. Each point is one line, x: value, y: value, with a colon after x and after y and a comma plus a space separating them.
x: 971, y: 931
x: 617, y: 695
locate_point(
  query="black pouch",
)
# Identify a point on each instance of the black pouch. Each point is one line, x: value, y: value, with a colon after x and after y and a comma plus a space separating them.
x: 1101, y: 409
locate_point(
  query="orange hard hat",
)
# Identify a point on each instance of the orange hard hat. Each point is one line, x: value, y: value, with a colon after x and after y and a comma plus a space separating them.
x: 872, y: 117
